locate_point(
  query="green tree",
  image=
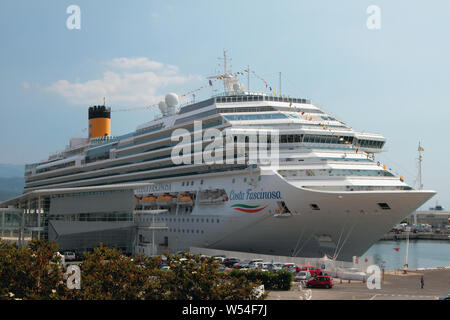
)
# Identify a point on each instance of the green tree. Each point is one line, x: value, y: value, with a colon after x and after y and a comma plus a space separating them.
x: 106, y: 274
x: 196, y: 278
x: 32, y: 272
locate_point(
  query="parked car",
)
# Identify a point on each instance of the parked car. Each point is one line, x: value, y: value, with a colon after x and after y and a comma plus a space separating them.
x: 251, y: 261
x: 180, y: 253
x: 241, y: 265
x: 257, y: 265
x: 292, y: 267
x: 320, y: 282
x: 277, y: 266
x: 273, y: 267
x: 229, y: 262
x: 69, y: 256
x: 302, y: 276
x: 219, y: 258
x: 312, y: 270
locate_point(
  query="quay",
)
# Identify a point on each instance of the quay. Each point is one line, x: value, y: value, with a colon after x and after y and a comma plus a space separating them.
x: 416, y: 236
x: 396, y: 286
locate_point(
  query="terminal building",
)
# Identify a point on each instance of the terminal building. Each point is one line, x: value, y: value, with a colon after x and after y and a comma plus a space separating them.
x: 437, y: 218
x: 79, y: 219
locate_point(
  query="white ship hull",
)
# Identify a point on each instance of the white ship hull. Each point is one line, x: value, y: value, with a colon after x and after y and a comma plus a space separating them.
x: 347, y: 224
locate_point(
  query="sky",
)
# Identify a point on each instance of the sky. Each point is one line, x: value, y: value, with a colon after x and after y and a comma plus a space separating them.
x: 393, y: 80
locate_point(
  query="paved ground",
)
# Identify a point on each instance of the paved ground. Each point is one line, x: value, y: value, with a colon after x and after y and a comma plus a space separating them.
x: 395, y: 287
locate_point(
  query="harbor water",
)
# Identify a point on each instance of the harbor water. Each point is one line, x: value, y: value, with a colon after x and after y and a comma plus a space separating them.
x: 421, y: 254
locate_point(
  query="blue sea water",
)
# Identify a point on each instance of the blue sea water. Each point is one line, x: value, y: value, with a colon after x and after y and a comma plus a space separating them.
x: 421, y: 254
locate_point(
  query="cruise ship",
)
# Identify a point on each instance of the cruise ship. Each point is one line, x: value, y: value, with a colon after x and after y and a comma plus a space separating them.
x: 326, y: 194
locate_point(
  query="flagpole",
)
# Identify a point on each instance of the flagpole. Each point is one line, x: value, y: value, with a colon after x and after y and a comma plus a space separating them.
x: 407, y: 247
x: 279, y: 83
x: 420, y: 149
x: 248, y: 78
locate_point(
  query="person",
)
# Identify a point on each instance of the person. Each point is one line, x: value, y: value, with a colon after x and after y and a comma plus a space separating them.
x: 421, y: 282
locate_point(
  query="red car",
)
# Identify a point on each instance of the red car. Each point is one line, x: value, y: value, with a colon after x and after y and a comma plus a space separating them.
x: 320, y: 282
x: 312, y: 270
x: 291, y: 267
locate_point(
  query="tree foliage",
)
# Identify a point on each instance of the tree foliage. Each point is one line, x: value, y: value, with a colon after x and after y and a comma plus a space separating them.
x: 36, y: 272
x: 32, y: 272
x: 281, y: 280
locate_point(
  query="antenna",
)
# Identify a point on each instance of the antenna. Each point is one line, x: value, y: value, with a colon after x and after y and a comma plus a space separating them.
x: 227, y: 77
x: 420, y: 149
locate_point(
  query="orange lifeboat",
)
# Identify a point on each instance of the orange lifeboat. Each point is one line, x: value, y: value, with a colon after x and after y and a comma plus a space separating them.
x: 149, y: 198
x: 165, y: 198
x: 184, y: 198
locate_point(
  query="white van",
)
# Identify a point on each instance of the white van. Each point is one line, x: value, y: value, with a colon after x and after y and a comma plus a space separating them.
x: 69, y: 256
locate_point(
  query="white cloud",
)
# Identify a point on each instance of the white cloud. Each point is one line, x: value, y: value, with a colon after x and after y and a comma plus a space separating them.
x: 124, y: 87
x: 142, y: 63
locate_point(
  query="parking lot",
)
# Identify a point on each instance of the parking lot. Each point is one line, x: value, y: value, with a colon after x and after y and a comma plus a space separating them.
x: 395, y: 287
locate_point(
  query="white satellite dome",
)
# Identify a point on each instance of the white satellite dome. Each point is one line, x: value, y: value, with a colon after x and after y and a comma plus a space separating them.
x: 172, y: 100
x: 162, y: 107
x: 237, y: 86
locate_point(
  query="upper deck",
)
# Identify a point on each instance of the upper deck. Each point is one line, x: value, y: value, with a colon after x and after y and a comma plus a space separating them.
x: 297, y: 119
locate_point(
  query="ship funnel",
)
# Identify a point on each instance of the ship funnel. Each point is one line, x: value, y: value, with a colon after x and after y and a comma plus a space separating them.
x: 99, y: 122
